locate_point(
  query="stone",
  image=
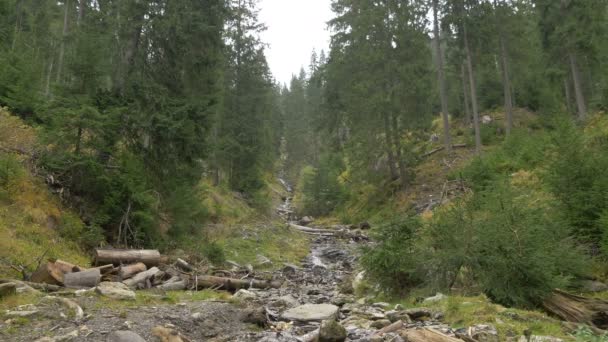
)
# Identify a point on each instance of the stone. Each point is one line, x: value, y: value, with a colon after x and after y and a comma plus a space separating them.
x: 399, y: 307
x: 244, y: 295
x: 365, y: 225
x: 358, y: 280
x: 305, y: 221
x: 593, y: 286
x: 540, y: 339
x: 311, y: 313
x: 263, y: 261
x: 379, y: 324
x: 8, y: 289
x: 255, y: 316
x: 486, y: 120
x: 419, y: 314
x: 124, y: 336
x: 436, y: 298
x: 331, y: 331
x: 381, y: 305
x: 395, y: 316
x: 115, y: 290
x: 289, y: 269
x: 484, y: 333
x: 197, y: 316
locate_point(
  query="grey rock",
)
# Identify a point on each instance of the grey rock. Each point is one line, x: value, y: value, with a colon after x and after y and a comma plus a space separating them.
x: 484, y: 333
x: 331, y: 331
x: 263, y: 261
x: 436, y: 298
x: 540, y: 339
x: 379, y: 324
x: 255, y: 316
x: 124, y: 336
x: 305, y: 221
x: 245, y: 295
x: 419, y: 313
x: 115, y: 290
x: 7, y: 289
x: 311, y: 313
x: 593, y: 286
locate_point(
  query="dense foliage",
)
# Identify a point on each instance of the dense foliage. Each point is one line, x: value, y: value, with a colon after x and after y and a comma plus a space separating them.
x: 140, y: 100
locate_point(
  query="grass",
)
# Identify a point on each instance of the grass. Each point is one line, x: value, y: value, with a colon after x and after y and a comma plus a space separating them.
x: 152, y: 298
x: 273, y: 240
x: 462, y: 312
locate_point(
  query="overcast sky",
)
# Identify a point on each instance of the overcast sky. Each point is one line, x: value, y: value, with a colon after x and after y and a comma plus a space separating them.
x: 295, y: 27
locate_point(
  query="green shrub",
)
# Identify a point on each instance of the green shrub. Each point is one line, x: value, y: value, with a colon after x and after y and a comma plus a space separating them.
x: 214, y: 253
x: 516, y: 246
x: 320, y: 192
x: 394, y: 262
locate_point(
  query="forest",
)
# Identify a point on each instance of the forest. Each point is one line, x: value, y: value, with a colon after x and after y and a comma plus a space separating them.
x: 471, y: 134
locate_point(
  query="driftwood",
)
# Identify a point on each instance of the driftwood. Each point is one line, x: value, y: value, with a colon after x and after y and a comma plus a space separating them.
x: 129, y: 271
x: 141, y: 278
x: 314, y: 231
x: 53, y: 272
x: 391, y: 328
x: 230, y: 284
x: 85, y: 279
x: 427, y: 335
x: 173, y: 286
x: 184, y: 265
x: 127, y: 256
x: 578, y: 309
x: 439, y: 149
x: 36, y: 286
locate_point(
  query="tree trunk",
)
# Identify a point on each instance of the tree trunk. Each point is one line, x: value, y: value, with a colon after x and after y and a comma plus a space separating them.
x: 578, y: 309
x: 578, y: 87
x: 389, y: 146
x: 132, y: 45
x: 473, y: 87
x: 173, y: 286
x: 64, y: 37
x: 130, y: 256
x: 47, y: 83
x: 568, y: 94
x: 506, y: 77
x: 397, y: 144
x: 507, y: 86
x: 141, y: 278
x: 465, y: 93
x: 447, y: 139
x: 53, y: 272
x: 85, y: 279
x: 129, y: 271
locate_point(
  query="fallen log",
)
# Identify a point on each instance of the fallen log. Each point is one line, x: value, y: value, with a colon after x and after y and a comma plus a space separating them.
x: 105, y: 269
x: 426, y: 335
x: 578, y: 309
x: 184, y: 265
x: 53, y: 271
x: 173, y: 286
x: 129, y: 271
x: 85, y: 279
x: 391, y: 328
x: 230, y: 284
x: 141, y: 278
x: 439, y: 149
x: 37, y: 286
x: 127, y: 256
x: 312, y: 230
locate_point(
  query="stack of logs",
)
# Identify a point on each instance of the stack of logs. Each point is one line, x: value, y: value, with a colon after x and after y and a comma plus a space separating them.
x: 138, y: 269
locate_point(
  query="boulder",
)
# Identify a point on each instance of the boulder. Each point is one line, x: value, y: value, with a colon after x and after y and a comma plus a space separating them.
x: 381, y: 323
x: 436, y: 298
x: 115, y: 290
x: 365, y: 225
x: 8, y: 289
x: 124, y: 336
x: 593, y: 286
x: 311, y: 313
x: 245, y: 295
x: 484, y: 333
x: 255, y: 316
x: 262, y: 261
x: 419, y: 313
x: 305, y: 221
x: 331, y: 331
x: 486, y: 120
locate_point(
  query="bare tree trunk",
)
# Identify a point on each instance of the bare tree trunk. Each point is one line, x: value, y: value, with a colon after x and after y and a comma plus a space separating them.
x: 568, y: 94
x: 507, y: 86
x: 578, y: 88
x: 17, y: 25
x: 81, y: 9
x: 465, y: 93
x: 397, y: 144
x: 441, y: 80
x: 506, y: 77
x: 132, y: 45
x: 47, y: 85
x: 389, y: 146
x: 64, y: 37
x: 473, y: 92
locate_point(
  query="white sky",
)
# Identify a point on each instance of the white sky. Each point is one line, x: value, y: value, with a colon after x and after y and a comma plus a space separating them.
x: 295, y: 27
